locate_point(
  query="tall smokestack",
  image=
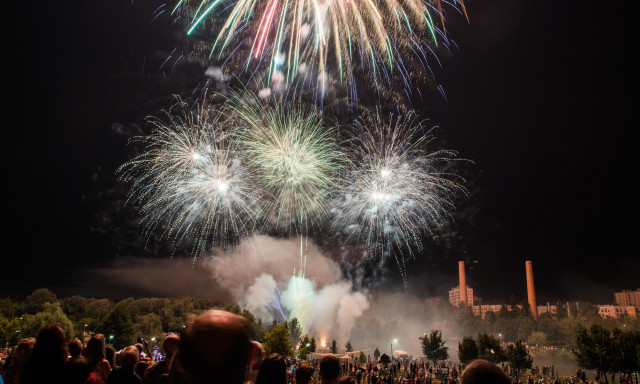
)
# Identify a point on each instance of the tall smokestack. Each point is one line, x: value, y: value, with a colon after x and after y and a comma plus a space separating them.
x: 463, y: 283
x: 531, y: 290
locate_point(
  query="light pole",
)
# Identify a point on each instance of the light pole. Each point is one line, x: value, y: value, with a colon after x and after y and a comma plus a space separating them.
x: 393, y: 341
x: 111, y: 340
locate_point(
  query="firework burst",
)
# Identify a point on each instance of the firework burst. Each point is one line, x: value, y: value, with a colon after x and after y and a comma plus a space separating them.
x: 189, y: 182
x: 317, y: 38
x: 394, y: 189
x: 292, y: 157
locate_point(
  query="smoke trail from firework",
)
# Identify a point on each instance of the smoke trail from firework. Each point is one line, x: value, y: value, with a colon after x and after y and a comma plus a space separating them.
x: 394, y: 189
x: 319, y: 37
x: 292, y: 157
x: 191, y: 183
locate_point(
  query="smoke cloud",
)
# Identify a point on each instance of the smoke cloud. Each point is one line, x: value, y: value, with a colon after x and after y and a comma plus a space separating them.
x: 283, y: 279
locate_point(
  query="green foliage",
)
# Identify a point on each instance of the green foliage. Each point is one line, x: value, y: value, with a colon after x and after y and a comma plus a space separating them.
x: 51, y: 313
x: 362, y: 359
x: 303, y: 352
x: 148, y: 325
x: 518, y: 357
x: 489, y: 348
x: 467, y: 350
x: 119, y: 324
x: 607, y: 351
x: 34, y: 303
x: 295, y: 331
x: 348, y: 347
x: 7, y: 308
x: 434, y: 347
x: 537, y: 338
x: 312, y: 346
x: 305, y: 344
x: 97, y: 309
x: 334, y: 347
x: 625, y: 344
x: 277, y: 341
x: 74, y: 306
x: 10, y: 331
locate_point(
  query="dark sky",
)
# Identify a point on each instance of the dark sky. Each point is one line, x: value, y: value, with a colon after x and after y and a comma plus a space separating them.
x: 539, y: 96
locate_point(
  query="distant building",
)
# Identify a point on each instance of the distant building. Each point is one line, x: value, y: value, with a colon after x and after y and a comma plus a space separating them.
x: 616, y: 311
x: 434, y: 301
x: 454, y: 296
x: 482, y: 310
x: 552, y: 309
x: 628, y: 298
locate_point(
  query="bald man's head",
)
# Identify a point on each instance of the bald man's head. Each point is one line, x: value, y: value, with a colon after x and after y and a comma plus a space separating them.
x: 216, y: 347
x: 171, y: 344
x: 483, y: 372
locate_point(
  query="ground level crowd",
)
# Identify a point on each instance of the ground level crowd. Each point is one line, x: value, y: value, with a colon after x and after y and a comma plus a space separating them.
x: 216, y: 348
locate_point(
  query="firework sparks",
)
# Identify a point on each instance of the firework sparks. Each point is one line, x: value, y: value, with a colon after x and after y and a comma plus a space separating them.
x: 394, y: 189
x: 292, y: 157
x: 317, y: 37
x: 190, y: 179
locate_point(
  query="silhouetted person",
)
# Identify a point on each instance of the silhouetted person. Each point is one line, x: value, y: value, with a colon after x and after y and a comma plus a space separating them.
x: 95, y: 354
x: 215, y: 348
x: 304, y: 372
x: 47, y: 361
x: 252, y: 375
x: 124, y: 374
x: 171, y: 344
x: 347, y: 380
x: 75, y: 349
x: 273, y: 370
x: 15, y: 363
x: 329, y: 369
x: 110, y: 356
x: 483, y: 372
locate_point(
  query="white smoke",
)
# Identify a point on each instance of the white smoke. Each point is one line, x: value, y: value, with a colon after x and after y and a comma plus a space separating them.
x: 278, y: 278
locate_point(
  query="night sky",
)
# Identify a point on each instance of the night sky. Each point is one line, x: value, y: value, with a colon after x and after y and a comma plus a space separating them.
x: 539, y: 97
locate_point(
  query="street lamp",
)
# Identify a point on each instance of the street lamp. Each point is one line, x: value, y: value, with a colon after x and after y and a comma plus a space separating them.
x: 111, y: 339
x: 394, y: 341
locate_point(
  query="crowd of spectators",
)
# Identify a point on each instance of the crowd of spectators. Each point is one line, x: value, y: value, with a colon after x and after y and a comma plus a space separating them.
x: 215, y: 347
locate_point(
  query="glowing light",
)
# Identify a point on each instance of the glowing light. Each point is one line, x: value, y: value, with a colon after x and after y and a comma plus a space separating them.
x: 333, y: 36
x: 291, y: 156
x: 394, y: 189
x: 190, y: 183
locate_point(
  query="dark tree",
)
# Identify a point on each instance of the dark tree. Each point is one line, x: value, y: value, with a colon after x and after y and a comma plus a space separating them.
x: 303, y: 351
x: 518, y: 357
x: 489, y: 348
x: 334, y: 346
x: 295, y: 331
x: 626, y: 345
x: 433, y: 347
x: 384, y: 359
x: 312, y: 344
x: 118, y: 323
x: 595, y: 350
x: 348, y: 346
x: 467, y: 350
x: 376, y: 354
x: 35, y: 301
